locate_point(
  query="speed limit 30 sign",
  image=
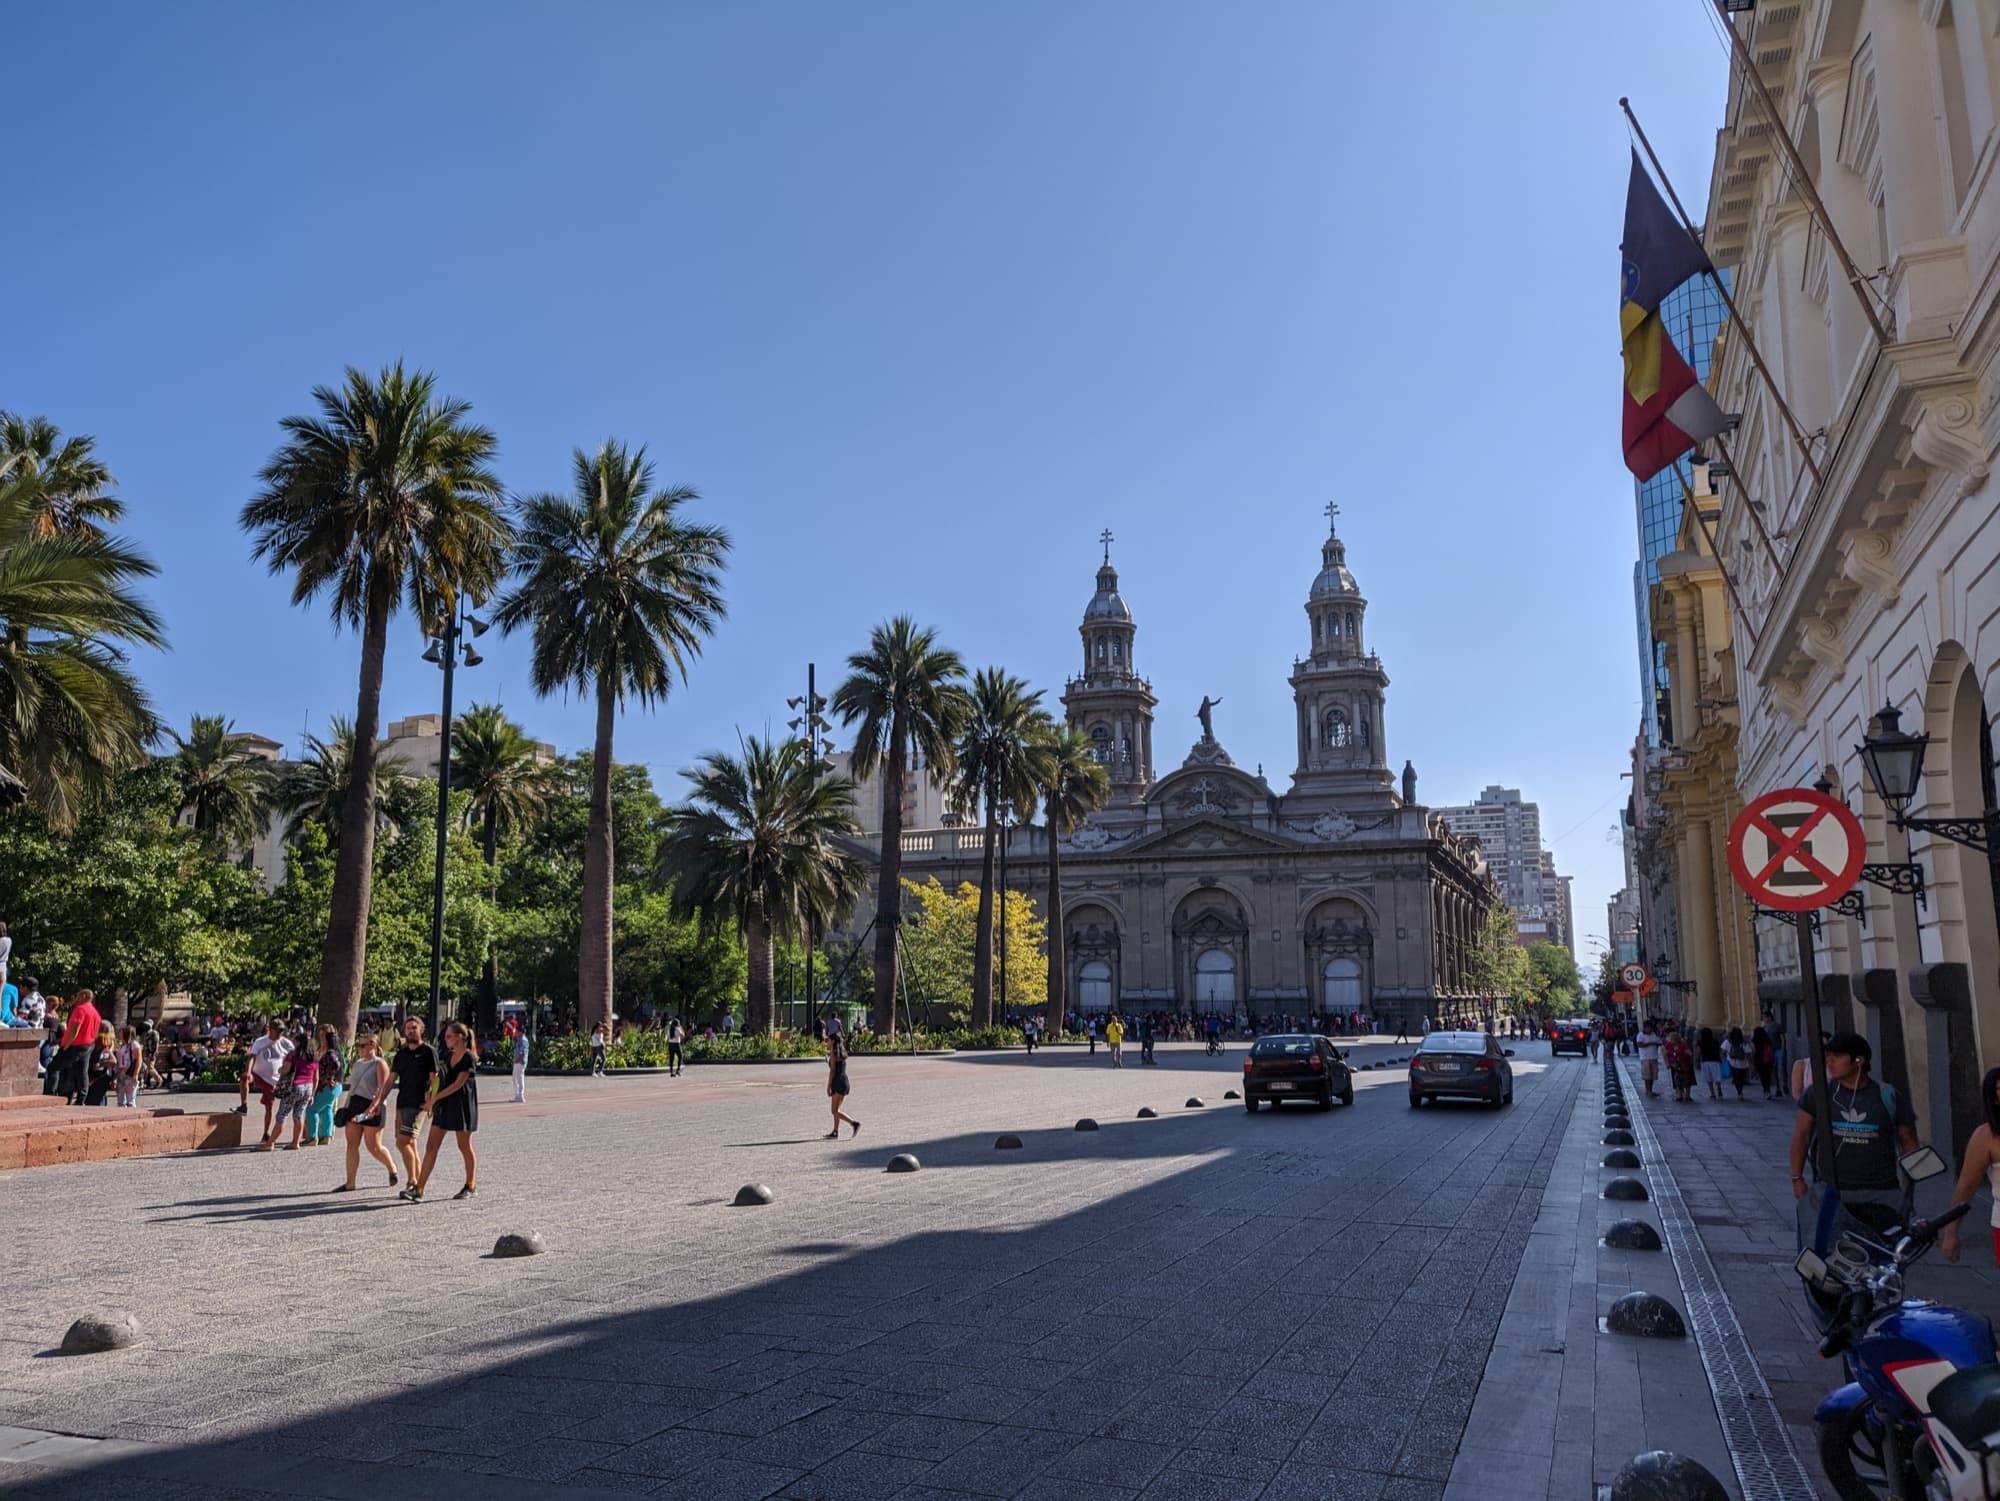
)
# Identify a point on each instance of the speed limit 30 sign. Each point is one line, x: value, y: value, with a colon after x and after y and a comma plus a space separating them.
x: 1634, y: 975
x: 1796, y: 849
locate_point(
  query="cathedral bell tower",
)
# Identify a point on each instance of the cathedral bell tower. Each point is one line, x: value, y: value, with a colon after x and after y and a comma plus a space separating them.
x: 1339, y: 690
x: 1109, y: 701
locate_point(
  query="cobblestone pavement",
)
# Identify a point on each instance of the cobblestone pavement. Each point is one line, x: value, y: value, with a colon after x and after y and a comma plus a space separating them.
x: 1208, y: 1305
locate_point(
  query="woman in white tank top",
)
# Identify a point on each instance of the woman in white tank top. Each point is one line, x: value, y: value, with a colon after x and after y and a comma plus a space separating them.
x: 1981, y: 1166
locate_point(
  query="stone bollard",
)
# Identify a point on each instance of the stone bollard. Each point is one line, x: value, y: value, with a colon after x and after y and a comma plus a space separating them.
x: 1230, y: 1094
x: 1620, y: 1139
x: 100, y: 1332
x: 530, y: 1242
x: 1006, y: 1143
x: 1086, y: 1124
x: 1632, y: 1235
x: 1660, y: 1476
x: 1621, y: 1157
x: 1148, y: 1113
x: 1195, y: 1102
x: 1646, y: 1316
x: 754, y: 1193
x: 1626, y: 1190
x: 904, y: 1162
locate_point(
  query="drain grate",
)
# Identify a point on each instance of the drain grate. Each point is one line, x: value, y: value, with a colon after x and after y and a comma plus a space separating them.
x: 1760, y: 1446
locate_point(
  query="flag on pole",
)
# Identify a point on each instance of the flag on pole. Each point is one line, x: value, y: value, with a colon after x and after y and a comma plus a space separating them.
x: 1667, y: 411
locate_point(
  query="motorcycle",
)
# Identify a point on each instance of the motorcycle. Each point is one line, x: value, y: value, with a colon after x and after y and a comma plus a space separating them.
x: 1919, y: 1416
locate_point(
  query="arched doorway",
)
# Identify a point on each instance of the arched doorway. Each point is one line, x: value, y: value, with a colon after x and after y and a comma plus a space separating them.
x: 1340, y: 986
x: 1093, y: 987
x: 1215, y: 980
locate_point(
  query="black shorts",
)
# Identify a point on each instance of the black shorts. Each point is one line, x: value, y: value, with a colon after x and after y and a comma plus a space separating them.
x: 838, y: 1085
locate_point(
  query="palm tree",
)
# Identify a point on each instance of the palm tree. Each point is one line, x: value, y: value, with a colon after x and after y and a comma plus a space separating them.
x: 228, y: 792
x: 72, y: 484
x: 386, y: 494
x: 904, y: 694
x: 621, y: 593
x: 1074, y: 785
x: 994, y: 771
x: 316, y: 788
x: 508, y: 785
x: 758, y: 844
x: 72, y: 715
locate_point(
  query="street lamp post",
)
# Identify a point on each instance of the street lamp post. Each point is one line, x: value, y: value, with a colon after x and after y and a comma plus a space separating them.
x: 443, y: 653
x: 816, y: 728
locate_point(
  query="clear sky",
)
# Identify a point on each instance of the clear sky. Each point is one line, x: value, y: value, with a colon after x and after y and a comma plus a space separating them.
x: 920, y: 297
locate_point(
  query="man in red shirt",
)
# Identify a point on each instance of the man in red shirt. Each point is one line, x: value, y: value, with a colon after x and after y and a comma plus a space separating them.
x: 79, y: 1036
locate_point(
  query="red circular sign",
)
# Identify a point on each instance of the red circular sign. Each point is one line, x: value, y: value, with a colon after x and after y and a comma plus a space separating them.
x: 1796, y: 849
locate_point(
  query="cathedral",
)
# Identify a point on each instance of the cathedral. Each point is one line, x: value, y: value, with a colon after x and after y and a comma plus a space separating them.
x: 1207, y: 890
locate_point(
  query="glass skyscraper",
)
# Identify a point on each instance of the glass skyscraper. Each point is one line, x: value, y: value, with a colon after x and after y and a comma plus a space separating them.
x: 1693, y: 314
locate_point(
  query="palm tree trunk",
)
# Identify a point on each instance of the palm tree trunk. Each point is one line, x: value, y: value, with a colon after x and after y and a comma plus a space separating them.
x: 889, y: 894
x: 757, y: 1007
x: 593, y: 959
x: 982, y: 930
x: 1053, y: 920
x: 489, y: 979
x: 344, y: 959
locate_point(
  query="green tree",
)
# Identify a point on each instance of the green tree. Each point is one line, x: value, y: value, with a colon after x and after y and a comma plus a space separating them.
x: 621, y: 594
x: 125, y: 898
x: 72, y: 714
x: 315, y: 789
x: 1553, y: 977
x: 995, y: 774
x: 227, y: 792
x: 387, y: 492
x: 903, y: 695
x: 507, y: 786
x: 1496, y: 964
x: 671, y: 965
x: 757, y: 846
x: 1074, y: 784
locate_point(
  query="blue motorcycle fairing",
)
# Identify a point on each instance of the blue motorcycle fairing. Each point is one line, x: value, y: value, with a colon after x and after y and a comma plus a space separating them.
x: 1916, y: 1331
x: 1839, y: 1402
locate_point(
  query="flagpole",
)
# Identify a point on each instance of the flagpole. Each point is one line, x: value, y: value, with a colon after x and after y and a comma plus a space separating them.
x: 1803, y: 179
x: 1715, y: 548
x: 1722, y: 290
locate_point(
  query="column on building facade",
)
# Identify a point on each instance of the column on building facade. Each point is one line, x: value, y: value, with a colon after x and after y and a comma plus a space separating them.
x: 1697, y: 893
x: 1846, y: 200
x: 1686, y: 673
x: 1904, y: 43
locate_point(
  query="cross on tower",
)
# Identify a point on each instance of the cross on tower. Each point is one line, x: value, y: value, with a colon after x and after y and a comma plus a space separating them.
x: 1107, y: 539
x: 1332, y: 510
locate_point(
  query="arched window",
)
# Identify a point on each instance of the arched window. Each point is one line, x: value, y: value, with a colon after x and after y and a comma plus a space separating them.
x: 1215, y: 980
x: 1332, y: 626
x: 1117, y: 650
x: 1335, y: 732
x: 1093, y: 986
x: 1367, y: 733
x: 1125, y: 749
x: 1341, y: 984
x: 1100, y: 648
x: 1319, y: 627
x: 1100, y: 743
x: 1352, y: 629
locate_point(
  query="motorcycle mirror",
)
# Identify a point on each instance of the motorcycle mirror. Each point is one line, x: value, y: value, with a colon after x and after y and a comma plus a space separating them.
x: 1922, y: 1164
x: 1810, y: 1266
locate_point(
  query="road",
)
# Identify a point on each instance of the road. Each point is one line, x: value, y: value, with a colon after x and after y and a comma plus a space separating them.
x: 1206, y: 1305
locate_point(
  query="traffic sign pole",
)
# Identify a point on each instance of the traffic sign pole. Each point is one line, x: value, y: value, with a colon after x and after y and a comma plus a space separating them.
x: 1829, y: 1172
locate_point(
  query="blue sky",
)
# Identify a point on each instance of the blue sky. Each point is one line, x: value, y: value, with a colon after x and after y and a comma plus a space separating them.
x: 920, y: 297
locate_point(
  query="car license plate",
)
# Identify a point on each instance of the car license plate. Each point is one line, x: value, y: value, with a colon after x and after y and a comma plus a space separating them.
x: 1447, y: 1068
x: 1277, y: 1084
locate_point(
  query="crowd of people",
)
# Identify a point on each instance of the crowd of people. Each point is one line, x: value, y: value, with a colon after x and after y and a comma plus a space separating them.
x: 1710, y: 1058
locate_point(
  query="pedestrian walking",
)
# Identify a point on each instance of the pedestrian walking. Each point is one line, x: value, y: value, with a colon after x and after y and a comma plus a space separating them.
x: 522, y: 1050
x: 1114, y: 1038
x: 1146, y: 1039
x: 454, y: 1111
x: 599, y: 1044
x: 676, y: 1035
x: 262, y: 1070
x: 1873, y: 1126
x: 295, y: 1093
x: 128, y: 1058
x: 1090, y: 1031
x: 80, y: 1028
x: 414, y: 1064
x: 1981, y: 1167
x: 361, y: 1115
x: 1736, y: 1060
x: 1708, y: 1055
x: 329, y: 1067
x: 1763, y: 1057
x: 1030, y: 1035
x: 1678, y: 1055
x: 1649, y: 1056
x: 838, y: 1088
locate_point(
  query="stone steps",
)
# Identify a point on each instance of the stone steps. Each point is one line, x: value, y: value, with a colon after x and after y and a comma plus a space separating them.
x: 36, y: 1131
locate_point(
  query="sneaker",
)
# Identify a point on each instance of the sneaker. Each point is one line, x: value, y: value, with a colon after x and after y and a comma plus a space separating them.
x: 411, y: 1194
x: 467, y: 1192
x: 242, y: 1109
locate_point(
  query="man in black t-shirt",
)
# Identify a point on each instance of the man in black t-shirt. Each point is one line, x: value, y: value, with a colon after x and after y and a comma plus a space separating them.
x: 1873, y: 1127
x: 414, y: 1066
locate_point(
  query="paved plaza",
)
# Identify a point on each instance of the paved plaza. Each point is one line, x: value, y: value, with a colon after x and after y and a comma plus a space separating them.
x: 1210, y: 1304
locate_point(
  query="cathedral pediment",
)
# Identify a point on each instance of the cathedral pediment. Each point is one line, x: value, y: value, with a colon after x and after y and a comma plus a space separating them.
x: 1208, y: 834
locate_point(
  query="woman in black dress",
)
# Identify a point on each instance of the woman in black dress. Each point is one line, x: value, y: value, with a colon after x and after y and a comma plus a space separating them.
x: 836, y: 1085
x: 454, y: 1109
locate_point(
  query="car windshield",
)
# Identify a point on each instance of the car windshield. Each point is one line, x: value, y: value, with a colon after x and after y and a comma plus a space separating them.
x: 1454, y: 1042
x: 1281, y: 1047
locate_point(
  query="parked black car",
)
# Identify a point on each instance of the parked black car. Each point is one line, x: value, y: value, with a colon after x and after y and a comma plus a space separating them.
x: 1461, y: 1065
x: 1296, y: 1066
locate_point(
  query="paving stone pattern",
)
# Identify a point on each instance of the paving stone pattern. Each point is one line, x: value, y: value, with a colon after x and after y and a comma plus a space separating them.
x: 1206, y: 1306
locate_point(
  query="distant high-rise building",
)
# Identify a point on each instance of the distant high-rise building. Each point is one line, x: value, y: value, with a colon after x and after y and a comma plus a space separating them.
x: 1510, y: 832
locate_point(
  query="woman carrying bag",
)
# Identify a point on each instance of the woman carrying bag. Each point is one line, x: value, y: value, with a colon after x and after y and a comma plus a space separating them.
x: 360, y: 1115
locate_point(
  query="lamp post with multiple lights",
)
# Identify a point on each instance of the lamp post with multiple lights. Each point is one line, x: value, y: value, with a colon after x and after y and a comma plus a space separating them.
x: 814, y: 730
x: 444, y: 652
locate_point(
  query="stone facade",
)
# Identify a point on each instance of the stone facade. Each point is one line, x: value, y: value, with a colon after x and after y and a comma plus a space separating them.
x: 1881, y: 582
x: 1206, y: 889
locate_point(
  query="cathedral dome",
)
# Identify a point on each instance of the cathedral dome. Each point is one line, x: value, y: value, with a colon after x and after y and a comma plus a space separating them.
x: 1333, y: 575
x: 1107, y: 603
